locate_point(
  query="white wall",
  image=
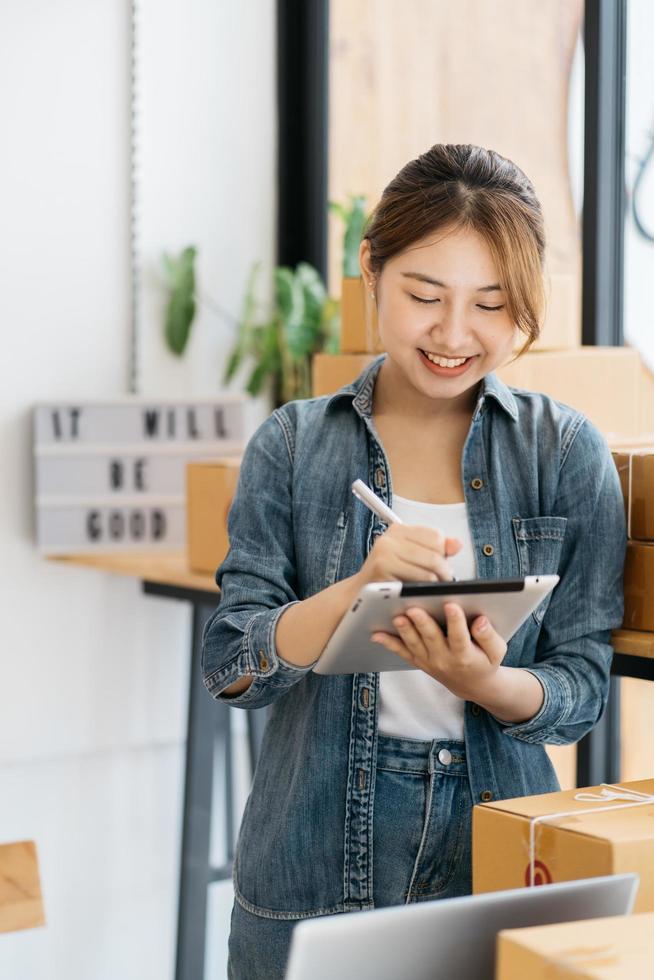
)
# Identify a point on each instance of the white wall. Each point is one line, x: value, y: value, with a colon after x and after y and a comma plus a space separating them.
x: 93, y: 674
x: 639, y: 253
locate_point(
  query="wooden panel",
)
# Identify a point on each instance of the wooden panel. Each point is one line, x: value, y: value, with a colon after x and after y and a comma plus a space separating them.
x: 21, y: 905
x: 406, y: 76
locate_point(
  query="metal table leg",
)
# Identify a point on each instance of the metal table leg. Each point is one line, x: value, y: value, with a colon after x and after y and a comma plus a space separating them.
x: 208, y: 731
x: 598, y: 753
x: 207, y: 721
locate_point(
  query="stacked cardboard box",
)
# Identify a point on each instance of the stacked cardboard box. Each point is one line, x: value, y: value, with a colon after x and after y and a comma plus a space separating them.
x: 617, y: 948
x: 636, y: 470
x: 580, y: 377
x: 555, y: 837
x: 21, y: 901
x: 210, y: 487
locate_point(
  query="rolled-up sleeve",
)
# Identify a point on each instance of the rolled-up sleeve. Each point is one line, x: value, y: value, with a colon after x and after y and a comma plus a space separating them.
x: 257, y: 578
x: 573, y: 653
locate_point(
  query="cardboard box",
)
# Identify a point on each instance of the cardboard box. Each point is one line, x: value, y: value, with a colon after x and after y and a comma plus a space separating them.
x: 582, y: 378
x: 561, y: 328
x: 359, y: 333
x: 562, y: 325
x: 210, y: 487
x: 619, y: 947
x: 646, y: 399
x: 21, y: 903
x: 602, y: 382
x: 635, y: 467
x: 329, y: 372
x: 598, y: 839
x: 639, y: 586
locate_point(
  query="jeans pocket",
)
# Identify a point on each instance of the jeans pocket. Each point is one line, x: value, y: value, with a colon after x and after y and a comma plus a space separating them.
x: 444, y: 865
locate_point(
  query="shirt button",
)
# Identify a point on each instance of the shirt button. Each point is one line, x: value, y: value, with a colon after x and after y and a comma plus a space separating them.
x: 476, y: 483
x: 489, y: 550
x: 486, y: 796
x: 476, y: 710
x: 445, y: 757
x: 380, y: 477
x: 263, y: 660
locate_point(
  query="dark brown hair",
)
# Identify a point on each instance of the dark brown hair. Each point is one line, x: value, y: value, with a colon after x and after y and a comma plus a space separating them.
x: 462, y: 185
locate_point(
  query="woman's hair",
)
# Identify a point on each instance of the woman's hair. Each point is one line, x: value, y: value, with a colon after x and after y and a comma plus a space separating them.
x: 467, y: 186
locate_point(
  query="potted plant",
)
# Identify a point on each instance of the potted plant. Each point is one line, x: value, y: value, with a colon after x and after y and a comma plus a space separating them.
x: 302, y: 320
x: 358, y: 312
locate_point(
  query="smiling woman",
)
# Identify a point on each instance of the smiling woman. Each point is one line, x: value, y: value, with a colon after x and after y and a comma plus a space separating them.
x: 487, y: 480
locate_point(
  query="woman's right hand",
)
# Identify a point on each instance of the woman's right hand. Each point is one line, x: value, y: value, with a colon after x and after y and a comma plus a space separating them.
x: 409, y: 553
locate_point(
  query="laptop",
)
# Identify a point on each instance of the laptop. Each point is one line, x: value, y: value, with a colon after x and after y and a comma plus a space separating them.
x: 446, y: 939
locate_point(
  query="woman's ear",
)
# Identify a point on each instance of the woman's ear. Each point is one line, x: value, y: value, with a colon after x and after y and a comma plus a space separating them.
x: 364, y: 262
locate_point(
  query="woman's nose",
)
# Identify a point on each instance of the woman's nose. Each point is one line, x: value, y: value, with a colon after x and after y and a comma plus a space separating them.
x: 450, y: 328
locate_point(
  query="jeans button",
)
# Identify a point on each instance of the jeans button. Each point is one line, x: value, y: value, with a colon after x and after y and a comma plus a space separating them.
x: 445, y: 757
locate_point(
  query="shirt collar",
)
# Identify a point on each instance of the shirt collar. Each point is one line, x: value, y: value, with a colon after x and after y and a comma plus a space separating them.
x: 360, y: 393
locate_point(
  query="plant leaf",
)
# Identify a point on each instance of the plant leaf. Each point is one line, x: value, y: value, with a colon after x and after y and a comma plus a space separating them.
x: 289, y: 296
x: 180, y: 310
x: 355, y: 223
x: 245, y: 342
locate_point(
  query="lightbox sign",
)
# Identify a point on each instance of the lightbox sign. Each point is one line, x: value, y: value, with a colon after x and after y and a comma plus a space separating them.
x: 111, y: 475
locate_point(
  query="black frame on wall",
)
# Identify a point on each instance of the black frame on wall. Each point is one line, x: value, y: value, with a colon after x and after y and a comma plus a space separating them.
x: 605, y: 43
x: 303, y: 115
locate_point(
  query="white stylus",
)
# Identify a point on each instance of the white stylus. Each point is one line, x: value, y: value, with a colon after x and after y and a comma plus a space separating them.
x: 377, y: 506
x: 372, y: 501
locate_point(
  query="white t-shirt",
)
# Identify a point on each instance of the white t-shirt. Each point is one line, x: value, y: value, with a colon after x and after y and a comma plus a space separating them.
x: 413, y: 704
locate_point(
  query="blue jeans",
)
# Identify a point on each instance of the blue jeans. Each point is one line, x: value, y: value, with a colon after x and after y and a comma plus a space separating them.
x: 421, y: 846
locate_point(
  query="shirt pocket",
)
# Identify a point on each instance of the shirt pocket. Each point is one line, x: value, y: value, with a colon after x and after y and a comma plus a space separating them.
x: 539, y: 541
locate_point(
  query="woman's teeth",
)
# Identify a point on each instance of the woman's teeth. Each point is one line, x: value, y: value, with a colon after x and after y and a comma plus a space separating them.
x: 444, y: 361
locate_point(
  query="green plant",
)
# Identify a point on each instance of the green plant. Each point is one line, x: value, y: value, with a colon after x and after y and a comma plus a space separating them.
x: 179, y: 273
x: 302, y: 321
x: 354, y: 216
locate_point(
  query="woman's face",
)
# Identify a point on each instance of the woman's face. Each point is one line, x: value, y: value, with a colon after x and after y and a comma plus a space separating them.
x: 442, y: 299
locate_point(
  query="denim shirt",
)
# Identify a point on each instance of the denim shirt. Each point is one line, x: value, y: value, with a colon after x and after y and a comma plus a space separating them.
x: 542, y: 496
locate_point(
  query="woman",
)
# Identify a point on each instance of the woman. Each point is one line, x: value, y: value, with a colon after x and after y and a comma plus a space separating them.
x: 365, y: 785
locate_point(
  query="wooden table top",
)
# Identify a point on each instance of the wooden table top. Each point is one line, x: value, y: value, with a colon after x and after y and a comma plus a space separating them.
x: 635, y: 643
x: 167, y: 568
x: 171, y: 568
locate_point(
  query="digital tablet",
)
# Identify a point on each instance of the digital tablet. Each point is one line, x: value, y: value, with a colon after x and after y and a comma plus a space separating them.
x: 506, y: 602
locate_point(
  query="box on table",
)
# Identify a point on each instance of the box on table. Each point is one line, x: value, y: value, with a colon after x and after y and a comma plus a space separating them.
x: 635, y: 467
x: 329, y: 372
x: 639, y: 586
x: 562, y: 325
x: 584, y: 844
x: 619, y: 947
x: 358, y: 318
x: 21, y: 903
x: 601, y: 382
x: 210, y: 487
x: 561, y: 328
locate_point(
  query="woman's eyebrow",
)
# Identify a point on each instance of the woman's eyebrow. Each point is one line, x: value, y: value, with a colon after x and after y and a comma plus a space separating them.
x: 421, y: 277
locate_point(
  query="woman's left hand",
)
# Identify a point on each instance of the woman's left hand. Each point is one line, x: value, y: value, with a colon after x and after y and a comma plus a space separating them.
x: 465, y: 661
